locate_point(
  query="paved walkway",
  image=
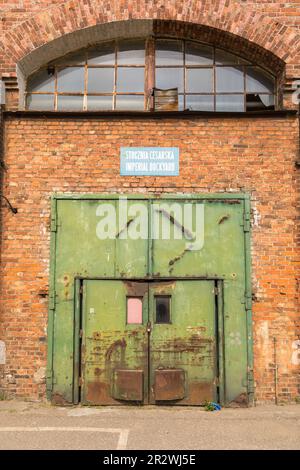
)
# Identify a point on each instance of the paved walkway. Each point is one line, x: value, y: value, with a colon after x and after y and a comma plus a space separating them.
x: 26, y: 425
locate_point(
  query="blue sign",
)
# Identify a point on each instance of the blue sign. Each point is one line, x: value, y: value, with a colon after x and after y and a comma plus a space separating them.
x: 149, y: 161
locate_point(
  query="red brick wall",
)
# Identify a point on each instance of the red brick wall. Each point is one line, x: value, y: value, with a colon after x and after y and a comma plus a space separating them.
x: 254, y: 155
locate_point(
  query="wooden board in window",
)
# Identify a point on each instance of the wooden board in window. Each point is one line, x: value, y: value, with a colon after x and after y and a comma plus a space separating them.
x: 166, y: 100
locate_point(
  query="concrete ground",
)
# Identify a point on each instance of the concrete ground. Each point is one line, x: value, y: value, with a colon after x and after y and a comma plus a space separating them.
x: 25, y: 425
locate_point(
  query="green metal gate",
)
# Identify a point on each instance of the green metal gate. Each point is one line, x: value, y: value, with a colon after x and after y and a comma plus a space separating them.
x: 156, y: 312
x: 166, y: 353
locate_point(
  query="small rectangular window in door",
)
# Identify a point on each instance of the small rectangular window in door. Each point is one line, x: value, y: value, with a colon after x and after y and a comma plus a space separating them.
x: 134, y: 310
x: 163, y: 309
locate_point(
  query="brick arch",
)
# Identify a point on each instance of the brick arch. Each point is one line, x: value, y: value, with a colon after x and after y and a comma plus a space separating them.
x: 74, y: 15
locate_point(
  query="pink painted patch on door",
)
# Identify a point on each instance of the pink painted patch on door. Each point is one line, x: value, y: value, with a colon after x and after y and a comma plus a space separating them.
x: 134, y: 310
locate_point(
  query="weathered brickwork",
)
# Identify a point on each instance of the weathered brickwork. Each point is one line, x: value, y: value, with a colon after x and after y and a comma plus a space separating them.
x: 46, y: 155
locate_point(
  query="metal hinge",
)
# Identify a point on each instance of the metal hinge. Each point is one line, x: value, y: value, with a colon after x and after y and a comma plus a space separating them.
x: 80, y: 333
x: 80, y: 381
x: 52, y: 298
x: 81, y: 289
x: 248, y: 301
x: 53, y: 224
x: 247, y: 222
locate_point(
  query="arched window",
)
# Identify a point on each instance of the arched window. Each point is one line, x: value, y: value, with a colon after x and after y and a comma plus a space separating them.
x: 148, y: 74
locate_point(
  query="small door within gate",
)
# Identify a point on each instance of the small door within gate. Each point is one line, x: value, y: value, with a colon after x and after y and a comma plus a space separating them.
x: 149, y: 342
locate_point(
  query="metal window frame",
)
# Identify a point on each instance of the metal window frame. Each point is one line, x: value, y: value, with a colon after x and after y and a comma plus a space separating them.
x: 149, y: 75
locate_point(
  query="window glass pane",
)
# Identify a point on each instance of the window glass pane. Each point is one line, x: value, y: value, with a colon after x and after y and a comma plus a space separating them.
x: 199, y: 102
x: 134, y: 310
x: 169, y: 78
x: 100, y: 80
x: 224, y: 58
x: 230, y: 103
x: 71, y: 79
x: 259, y: 81
x: 70, y: 103
x: 130, y: 102
x: 40, y: 102
x: 229, y: 79
x: 41, y: 81
x: 169, y: 52
x: 76, y: 58
x: 163, y: 310
x: 199, y: 80
x: 130, y: 79
x: 99, y: 103
x: 131, y: 53
x: 103, y: 54
x: 198, y: 54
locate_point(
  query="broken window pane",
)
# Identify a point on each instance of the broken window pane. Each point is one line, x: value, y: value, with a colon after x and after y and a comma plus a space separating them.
x: 134, y: 310
x: 163, y: 310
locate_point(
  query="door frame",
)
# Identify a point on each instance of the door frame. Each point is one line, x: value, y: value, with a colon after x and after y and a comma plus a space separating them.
x: 219, y: 327
x: 210, y: 197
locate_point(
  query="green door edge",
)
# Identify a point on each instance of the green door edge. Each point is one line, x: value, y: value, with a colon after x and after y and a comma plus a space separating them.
x: 245, y: 197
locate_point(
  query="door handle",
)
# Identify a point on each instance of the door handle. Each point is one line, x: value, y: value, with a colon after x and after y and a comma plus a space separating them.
x: 149, y: 327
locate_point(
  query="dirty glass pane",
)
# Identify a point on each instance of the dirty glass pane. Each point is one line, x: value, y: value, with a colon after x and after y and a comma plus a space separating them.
x: 130, y: 79
x: 199, y: 80
x: 100, y: 103
x: 258, y: 81
x: 199, y: 102
x: 70, y: 103
x: 70, y: 79
x: 103, y: 54
x: 130, y: 102
x: 224, y: 58
x: 230, y: 103
x: 198, y: 54
x: 169, y: 78
x: 229, y: 79
x: 40, y: 102
x: 134, y: 310
x: 131, y: 52
x: 41, y: 82
x: 100, y: 80
x: 163, y: 310
x: 169, y: 52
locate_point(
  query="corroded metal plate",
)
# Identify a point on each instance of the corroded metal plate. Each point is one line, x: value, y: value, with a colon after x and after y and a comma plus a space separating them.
x: 169, y: 384
x: 128, y: 385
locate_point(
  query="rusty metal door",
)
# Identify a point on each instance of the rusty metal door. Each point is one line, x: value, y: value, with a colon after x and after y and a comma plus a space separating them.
x: 114, y: 350
x: 148, y: 342
x: 183, y: 350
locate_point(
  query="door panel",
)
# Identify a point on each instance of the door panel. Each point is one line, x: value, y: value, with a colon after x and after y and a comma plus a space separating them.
x: 148, y: 342
x: 183, y: 365
x: 114, y: 353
